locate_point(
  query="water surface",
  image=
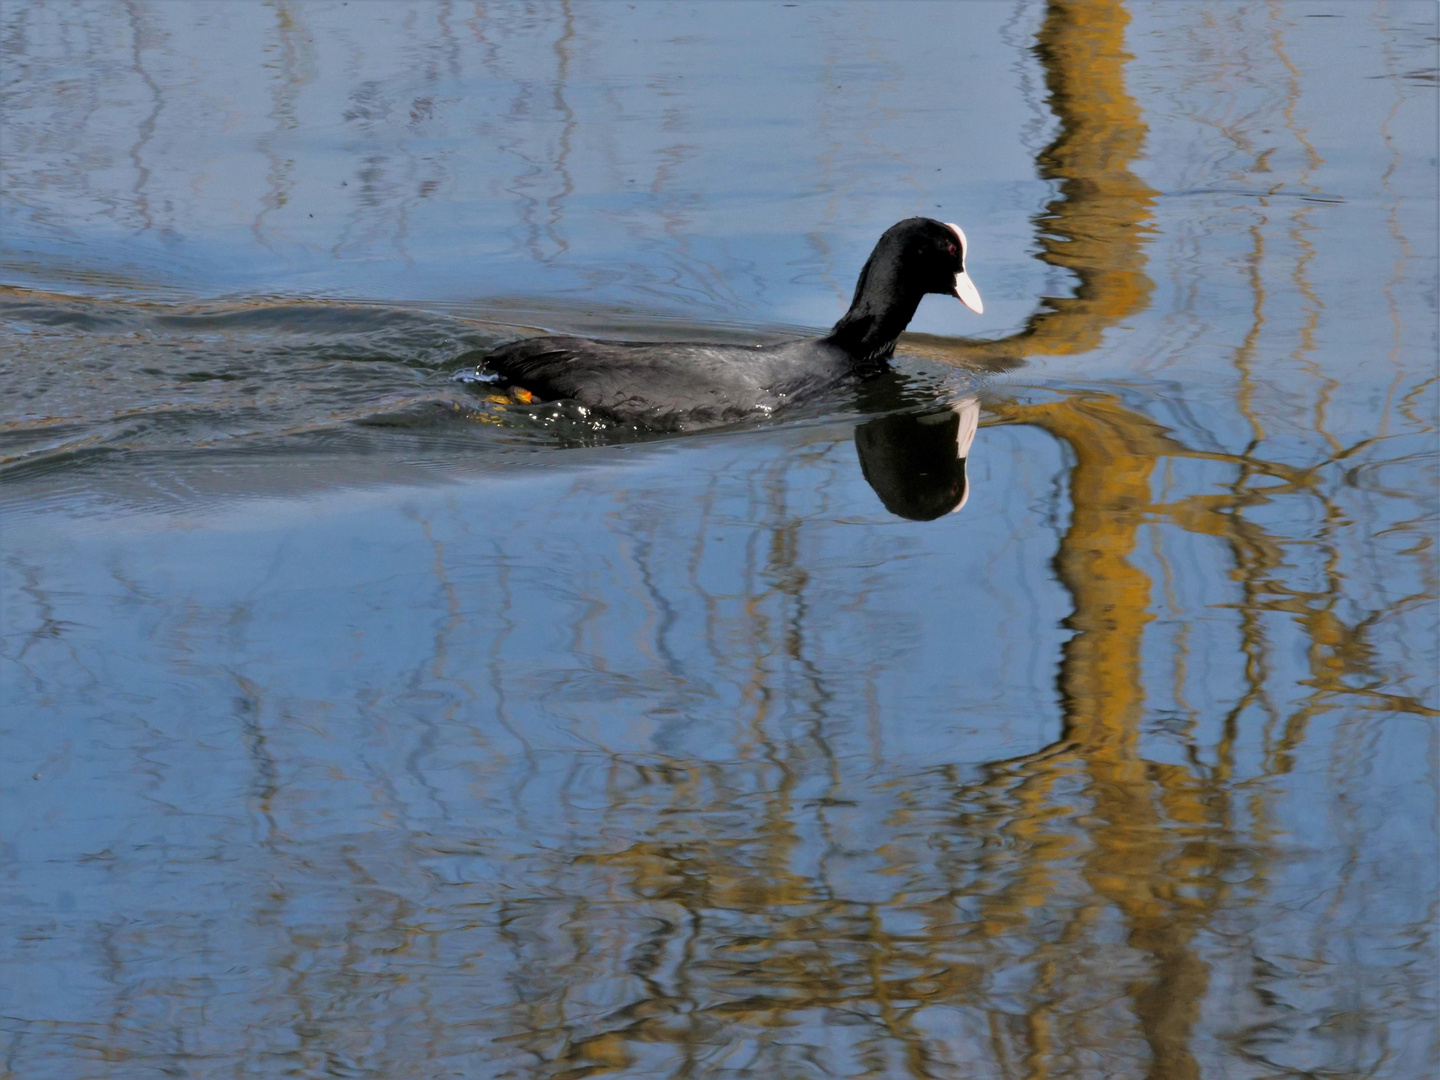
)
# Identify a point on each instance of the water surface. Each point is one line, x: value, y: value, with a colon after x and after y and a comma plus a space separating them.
x: 357, y: 724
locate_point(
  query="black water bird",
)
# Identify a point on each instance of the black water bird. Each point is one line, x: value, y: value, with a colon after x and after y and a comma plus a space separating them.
x: 673, y: 386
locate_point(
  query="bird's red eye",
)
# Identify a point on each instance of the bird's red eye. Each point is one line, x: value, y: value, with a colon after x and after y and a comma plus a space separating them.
x: 952, y: 249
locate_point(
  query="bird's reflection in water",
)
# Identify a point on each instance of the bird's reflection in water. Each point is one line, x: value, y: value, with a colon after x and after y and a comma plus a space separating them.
x: 915, y: 461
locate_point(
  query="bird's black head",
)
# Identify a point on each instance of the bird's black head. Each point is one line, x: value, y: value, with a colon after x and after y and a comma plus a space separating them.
x: 931, y: 255
x: 913, y: 257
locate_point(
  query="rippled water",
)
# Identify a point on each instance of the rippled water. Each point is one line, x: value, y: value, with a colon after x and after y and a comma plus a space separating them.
x: 359, y: 724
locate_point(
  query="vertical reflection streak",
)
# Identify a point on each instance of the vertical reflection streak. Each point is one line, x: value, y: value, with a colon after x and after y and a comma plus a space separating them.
x: 1250, y: 558
x: 556, y: 202
x: 145, y: 131
x: 1101, y: 677
x: 294, y: 68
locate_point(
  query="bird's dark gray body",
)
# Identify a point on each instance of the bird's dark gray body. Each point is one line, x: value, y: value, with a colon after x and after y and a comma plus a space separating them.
x: 671, y: 386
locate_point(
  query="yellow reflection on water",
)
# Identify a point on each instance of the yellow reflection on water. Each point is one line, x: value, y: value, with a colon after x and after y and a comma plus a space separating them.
x: 1097, y: 228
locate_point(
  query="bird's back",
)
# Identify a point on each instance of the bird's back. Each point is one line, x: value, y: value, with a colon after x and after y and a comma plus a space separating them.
x: 670, y: 385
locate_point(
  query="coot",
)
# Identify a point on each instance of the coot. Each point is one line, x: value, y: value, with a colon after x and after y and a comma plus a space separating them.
x: 671, y: 386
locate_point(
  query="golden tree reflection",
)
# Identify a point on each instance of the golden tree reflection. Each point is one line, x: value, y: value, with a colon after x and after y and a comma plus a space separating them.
x: 1098, y: 226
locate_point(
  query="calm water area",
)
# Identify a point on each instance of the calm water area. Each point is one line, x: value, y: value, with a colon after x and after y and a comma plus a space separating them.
x: 358, y: 723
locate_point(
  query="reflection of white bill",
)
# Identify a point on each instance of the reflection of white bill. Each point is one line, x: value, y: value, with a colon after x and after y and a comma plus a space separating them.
x: 968, y: 409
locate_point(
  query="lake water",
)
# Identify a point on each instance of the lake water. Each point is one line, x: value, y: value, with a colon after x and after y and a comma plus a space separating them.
x: 358, y: 725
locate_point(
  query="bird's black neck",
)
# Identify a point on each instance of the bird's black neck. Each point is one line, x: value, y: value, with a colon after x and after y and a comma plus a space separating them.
x: 883, y: 306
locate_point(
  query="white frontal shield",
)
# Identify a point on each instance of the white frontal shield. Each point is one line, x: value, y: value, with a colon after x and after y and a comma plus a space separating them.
x: 965, y: 290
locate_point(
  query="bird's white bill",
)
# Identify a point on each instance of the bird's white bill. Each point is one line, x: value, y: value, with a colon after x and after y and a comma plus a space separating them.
x: 967, y: 294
